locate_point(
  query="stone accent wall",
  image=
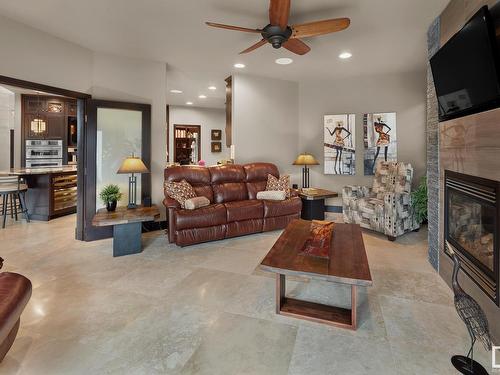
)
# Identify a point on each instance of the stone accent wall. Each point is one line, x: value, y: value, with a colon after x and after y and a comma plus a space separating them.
x: 433, y: 37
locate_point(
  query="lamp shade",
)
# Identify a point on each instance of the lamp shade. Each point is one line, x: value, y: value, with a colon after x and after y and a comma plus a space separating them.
x: 132, y: 164
x: 305, y: 159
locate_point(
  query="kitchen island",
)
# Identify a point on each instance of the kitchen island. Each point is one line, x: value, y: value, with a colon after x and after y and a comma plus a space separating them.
x: 52, y: 192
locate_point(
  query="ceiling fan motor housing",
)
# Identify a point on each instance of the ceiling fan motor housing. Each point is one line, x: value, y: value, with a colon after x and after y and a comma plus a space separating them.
x: 276, y: 35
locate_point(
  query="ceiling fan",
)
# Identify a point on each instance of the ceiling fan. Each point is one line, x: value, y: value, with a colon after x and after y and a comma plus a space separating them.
x: 279, y: 34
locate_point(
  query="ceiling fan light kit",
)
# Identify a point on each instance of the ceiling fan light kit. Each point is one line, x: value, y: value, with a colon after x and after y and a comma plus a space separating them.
x: 279, y: 34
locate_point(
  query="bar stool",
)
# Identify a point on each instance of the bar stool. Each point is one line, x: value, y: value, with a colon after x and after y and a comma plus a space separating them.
x: 12, y: 188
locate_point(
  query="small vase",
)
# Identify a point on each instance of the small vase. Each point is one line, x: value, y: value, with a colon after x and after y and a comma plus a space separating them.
x: 111, y: 206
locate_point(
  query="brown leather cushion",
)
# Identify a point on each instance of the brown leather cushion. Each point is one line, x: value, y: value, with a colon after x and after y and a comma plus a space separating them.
x: 256, y: 177
x: 228, y: 183
x: 259, y: 171
x: 244, y: 210
x: 229, y: 192
x: 227, y: 173
x: 281, y: 208
x: 202, y: 217
x: 15, y: 292
x: 240, y: 228
x: 198, y: 177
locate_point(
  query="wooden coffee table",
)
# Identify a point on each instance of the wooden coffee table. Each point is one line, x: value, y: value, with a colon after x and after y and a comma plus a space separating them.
x: 347, y: 264
x: 127, y: 226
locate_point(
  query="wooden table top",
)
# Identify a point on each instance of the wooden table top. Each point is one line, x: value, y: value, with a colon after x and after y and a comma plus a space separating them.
x: 124, y: 215
x: 315, y: 193
x: 346, y: 264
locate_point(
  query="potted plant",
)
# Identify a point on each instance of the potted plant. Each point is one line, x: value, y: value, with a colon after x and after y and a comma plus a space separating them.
x: 419, y: 201
x: 110, y: 195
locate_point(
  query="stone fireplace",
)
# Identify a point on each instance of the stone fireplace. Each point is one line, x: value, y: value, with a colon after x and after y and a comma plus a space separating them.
x: 471, y: 218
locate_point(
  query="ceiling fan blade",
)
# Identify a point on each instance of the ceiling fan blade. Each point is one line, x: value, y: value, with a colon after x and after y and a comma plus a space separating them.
x: 296, y: 46
x: 237, y: 28
x: 279, y: 10
x: 320, y: 27
x: 255, y: 46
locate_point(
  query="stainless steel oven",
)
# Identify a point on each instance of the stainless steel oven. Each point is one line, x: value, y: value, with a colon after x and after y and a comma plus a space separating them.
x: 44, y: 149
x: 43, y: 163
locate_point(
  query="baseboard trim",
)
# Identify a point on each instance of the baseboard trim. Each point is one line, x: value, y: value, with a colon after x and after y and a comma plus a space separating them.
x: 334, y: 209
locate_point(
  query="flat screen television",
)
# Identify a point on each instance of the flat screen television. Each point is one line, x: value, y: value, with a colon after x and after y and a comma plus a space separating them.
x: 466, y: 69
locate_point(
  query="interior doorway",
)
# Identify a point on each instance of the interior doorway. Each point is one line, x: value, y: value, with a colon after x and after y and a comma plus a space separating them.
x: 187, y: 144
x: 47, y: 142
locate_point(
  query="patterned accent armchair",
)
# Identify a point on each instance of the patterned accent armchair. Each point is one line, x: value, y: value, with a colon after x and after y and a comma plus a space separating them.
x: 386, y: 207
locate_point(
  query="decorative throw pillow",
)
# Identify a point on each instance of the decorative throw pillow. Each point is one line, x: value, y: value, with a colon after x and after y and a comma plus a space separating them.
x: 196, y: 202
x: 180, y: 191
x: 272, y: 195
x: 283, y: 184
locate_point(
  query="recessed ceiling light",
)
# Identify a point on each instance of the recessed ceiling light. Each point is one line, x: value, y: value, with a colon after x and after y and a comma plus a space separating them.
x: 189, y: 103
x: 239, y: 66
x: 202, y: 96
x: 283, y: 61
x: 176, y: 91
x: 213, y: 88
x: 345, y: 55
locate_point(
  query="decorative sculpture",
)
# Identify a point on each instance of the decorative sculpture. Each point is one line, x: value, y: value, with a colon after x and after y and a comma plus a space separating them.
x: 475, y: 320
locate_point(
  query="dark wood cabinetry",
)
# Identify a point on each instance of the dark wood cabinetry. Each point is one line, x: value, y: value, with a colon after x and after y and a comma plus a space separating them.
x: 58, y: 115
x: 51, y: 195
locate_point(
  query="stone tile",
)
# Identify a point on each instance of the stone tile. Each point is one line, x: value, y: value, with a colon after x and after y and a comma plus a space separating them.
x: 209, y: 288
x: 419, y: 286
x: 233, y: 259
x: 319, y: 351
x: 235, y: 344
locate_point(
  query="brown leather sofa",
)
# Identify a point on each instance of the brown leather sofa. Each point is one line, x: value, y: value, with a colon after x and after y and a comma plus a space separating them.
x: 234, y: 209
x: 15, y: 292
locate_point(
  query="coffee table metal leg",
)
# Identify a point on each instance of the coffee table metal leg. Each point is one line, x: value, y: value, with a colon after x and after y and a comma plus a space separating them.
x: 127, y: 239
x: 280, y: 291
x: 354, y: 318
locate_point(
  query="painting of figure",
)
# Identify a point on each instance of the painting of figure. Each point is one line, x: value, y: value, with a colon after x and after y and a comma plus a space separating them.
x: 379, y: 138
x: 339, y: 144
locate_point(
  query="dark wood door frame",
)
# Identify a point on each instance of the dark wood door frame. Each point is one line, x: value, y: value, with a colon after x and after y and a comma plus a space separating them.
x: 81, y: 126
x: 94, y: 233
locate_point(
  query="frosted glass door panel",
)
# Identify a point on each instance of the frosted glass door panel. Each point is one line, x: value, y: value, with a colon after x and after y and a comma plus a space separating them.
x: 119, y: 135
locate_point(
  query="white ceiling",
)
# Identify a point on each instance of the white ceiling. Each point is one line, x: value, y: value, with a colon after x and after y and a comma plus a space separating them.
x: 385, y: 36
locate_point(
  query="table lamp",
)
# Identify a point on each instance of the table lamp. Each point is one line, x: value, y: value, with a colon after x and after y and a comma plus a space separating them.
x: 305, y: 159
x: 132, y: 165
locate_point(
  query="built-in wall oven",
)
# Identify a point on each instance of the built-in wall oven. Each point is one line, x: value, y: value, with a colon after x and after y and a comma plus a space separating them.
x: 44, y: 153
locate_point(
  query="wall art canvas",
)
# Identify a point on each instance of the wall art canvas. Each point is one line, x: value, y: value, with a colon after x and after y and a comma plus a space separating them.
x: 379, y: 133
x: 340, y: 144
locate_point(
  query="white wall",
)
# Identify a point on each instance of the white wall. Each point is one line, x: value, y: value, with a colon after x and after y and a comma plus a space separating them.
x: 404, y: 94
x: 137, y: 81
x: 265, y: 122
x: 208, y: 119
x: 32, y: 55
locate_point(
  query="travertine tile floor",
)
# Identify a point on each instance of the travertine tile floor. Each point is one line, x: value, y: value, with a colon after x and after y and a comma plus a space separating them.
x: 207, y: 309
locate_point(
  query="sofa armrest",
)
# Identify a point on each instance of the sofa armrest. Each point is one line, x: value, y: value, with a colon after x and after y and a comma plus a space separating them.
x: 172, y: 207
x: 171, y: 203
x: 294, y: 193
x: 399, y: 214
x: 356, y: 192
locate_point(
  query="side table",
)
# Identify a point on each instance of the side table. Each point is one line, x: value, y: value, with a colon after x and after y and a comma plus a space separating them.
x: 313, y: 202
x: 127, y: 226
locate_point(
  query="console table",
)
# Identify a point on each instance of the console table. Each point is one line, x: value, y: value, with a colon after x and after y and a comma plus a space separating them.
x: 127, y: 226
x: 313, y: 202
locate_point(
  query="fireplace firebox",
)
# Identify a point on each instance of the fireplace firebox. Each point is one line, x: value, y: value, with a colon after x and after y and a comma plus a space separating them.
x: 472, y: 217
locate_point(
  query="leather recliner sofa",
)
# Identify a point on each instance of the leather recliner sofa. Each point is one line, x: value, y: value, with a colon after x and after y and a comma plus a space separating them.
x: 234, y: 210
